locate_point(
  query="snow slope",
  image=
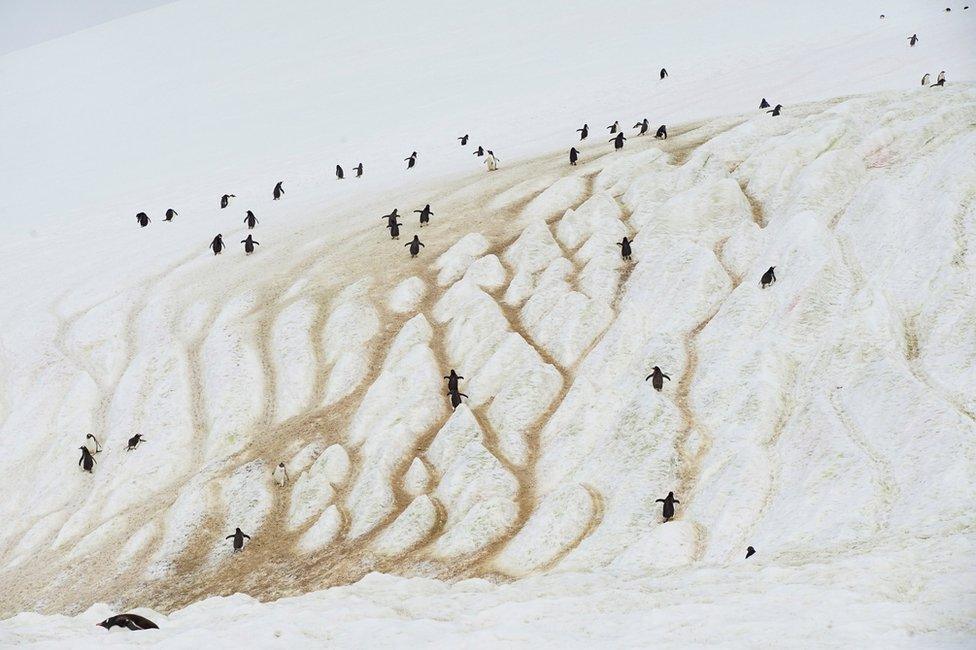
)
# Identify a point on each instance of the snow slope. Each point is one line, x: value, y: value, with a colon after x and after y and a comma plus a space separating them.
x: 827, y: 420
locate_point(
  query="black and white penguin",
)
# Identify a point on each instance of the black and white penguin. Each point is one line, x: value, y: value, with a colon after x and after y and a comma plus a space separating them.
x: 657, y: 378
x: 278, y: 191
x: 664, y: 73
x: 359, y: 170
x: 128, y: 621
x: 87, y: 461
x: 776, y: 110
x: 464, y: 139
x: 662, y: 132
x: 238, y: 536
x: 425, y: 215
x: 492, y: 160
x: 339, y: 174
x: 250, y: 220
x: 585, y: 131
x: 613, y: 128
x: 411, y: 160
x: 912, y: 40
x: 249, y: 244
x: 92, y: 443
x: 142, y: 219
x: 940, y: 80
x: 217, y: 245
x: 392, y: 217
x: 225, y: 200
x: 394, y: 230
x: 925, y: 79
x: 668, y: 502
x: 280, y: 475
x: 768, y: 277
x: 170, y: 214
x: 480, y: 151
x: 455, y: 396
x: 618, y: 141
x: 750, y: 552
x: 763, y: 103
x: 452, y: 381
x: 414, y: 245
x: 134, y: 442
x: 573, y: 156
x: 625, y: 247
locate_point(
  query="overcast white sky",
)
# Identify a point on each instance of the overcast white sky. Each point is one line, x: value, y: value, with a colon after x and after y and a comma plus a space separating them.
x: 27, y: 22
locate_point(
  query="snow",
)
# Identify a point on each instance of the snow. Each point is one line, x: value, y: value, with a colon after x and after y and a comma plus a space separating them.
x: 827, y: 420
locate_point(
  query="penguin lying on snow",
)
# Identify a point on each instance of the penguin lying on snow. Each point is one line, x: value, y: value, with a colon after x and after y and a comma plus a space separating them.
x: 129, y: 621
x: 668, y: 502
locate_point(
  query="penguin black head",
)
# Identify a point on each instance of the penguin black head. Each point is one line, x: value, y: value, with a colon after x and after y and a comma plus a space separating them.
x: 281, y: 464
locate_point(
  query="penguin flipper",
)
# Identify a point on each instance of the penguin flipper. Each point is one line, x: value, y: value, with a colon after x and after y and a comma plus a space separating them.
x: 658, y: 500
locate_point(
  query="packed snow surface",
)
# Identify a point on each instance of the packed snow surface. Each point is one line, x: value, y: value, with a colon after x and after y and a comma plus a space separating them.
x: 828, y: 420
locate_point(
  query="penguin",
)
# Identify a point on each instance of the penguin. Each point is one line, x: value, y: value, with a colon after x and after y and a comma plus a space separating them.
x: 491, y: 161
x: 452, y: 381
x: 618, y: 141
x: 129, y: 621
x: 763, y: 103
x: 394, y: 230
x: 643, y: 126
x: 414, y: 245
x: 912, y: 40
x: 657, y: 378
x: 359, y: 170
x: 768, y: 277
x: 585, y: 131
x: 573, y: 156
x: 339, y: 175
x: 664, y: 73
x: 455, y: 396
x: 134, y: 442
x: 882, y: 16
x: 391, y: 218
x: 775, y: 110
x: 217, y: 245
x: 87, y: 461
x: 250, y: 220
x: 625, y: 247
x: 668, y: 502
x: 925, y: 79
x: 142, y: 219
x: 411, y: 160
x: 278, y: 191
x: 424, y: 215
x: 91, y: 442
x: 170, y: 214
x: 940, y: 80
x: 249, y: 244
x: 662, y: 133
x: 280, y: 475
x: 464, y: 140
x: 480, y: 151
x: 750, y: 552
x: 948, y: 9
x: 613, y: 128
x: 238, y: 536
x: 225, y: 200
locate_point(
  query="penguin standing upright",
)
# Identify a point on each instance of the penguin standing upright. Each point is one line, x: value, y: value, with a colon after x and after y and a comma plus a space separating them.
x: 643, y: 126
x: 452, y: 380
x: 411, y: 160
x: 392, y: 217
x: 491, y: 160
x: 128, y: 621
x: 940, y: 80
x: 613, y: 128
x: 925, y: 79
x: 170, y: 214
x: 750, y: 552
x: 668, y: 502
x: 912, y: 40
x: 776, y: 110
x: 662, y: 132
x: 217, y: 245
x: 134, y: 442
x: 618, y: 141
x: 455, y: 396
x: 464, y: 139
x: 414, y: 245
x: 280, y: 475
x: 87, y: 461
x: 573, y: 156
x: 425, y: 215
x: 359, y: 170
x: 657, y: 378
x: 250, y: 220
x: 91, y: 442
x: 249, y: 245
x: 763, y: 103
x: 585, y: 131
x: 664, y: 73
x: 142, y: 219
x: 238, y: 536
x: 480, y: 151
x: 394, y: 229
x: 278, y: 191
x: 625, y: 248
x: 339, y: 175
x: 768, y: 277
x: 225, y: 200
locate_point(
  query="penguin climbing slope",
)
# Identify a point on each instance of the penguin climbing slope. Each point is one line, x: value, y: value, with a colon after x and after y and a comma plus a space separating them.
x: 87, y: 461
x: 763, y: 103
x: 411, y: 160
x: 278, y: 191
x: 618, y: 141
x: 339, y: 174
x: 480, y: 151
x: 573, y: 156
x: 662, y: 133
x: 664, y: 73
x: 217, y: 245
x: 414, y: 245
x: 668, y: 501
x: 625, y: 248
x: 657, y: 378
x: 238, y: 537
x: 394, y: 229
x: 643, y: 125
x: 464, y: 139
x: 613, y: 128
x: 250, y: 220
x: 452, y: 381
x: 776, y: 110
x: 750, y: 552
x: 768, y: 278
x: 359, y: 170
x: 134, y: 442
x: 249, y: 244
x: 91, y: 442
x: 425, y: 215
x: 585, y: 131
x: 912, y: 40
x: 455, y: 396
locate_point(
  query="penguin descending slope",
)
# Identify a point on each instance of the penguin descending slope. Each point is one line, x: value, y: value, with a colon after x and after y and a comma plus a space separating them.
x: 129, y: 621
x: 339, y: 174
x: 142, y: 219
x: 134, y: 442
x: 585, y: 131
x: 452, y: 381
x: 618, y: 141
x: 170, y: 214
x: 217, y: 245
x: 625, y: 248
x: 225, y: 200
x: 249, y: 244
x: 87, y: 461
x: 414, y: 245
x: 238, y: 536
x: 411, y: 160
x: 643, y: 126
x: 425, y: 215
x: 662, y: 133
x: 278, y: 191
x: 455, y: 396
x: 763, y: 103
x: 573, y: 156
x: 668, y: 502
x: 464, y: 139
x: 359, y: 170
x: 768, y: 277
x: 250, y: 220
x: 613, y: 128
x: 657, y: 376
x: 280, y: 475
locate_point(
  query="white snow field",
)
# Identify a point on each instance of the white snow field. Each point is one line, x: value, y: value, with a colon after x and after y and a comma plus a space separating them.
x: 828, y: 420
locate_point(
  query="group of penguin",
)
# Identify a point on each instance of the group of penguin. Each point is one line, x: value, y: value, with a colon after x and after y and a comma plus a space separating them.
x: 92, y: 447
